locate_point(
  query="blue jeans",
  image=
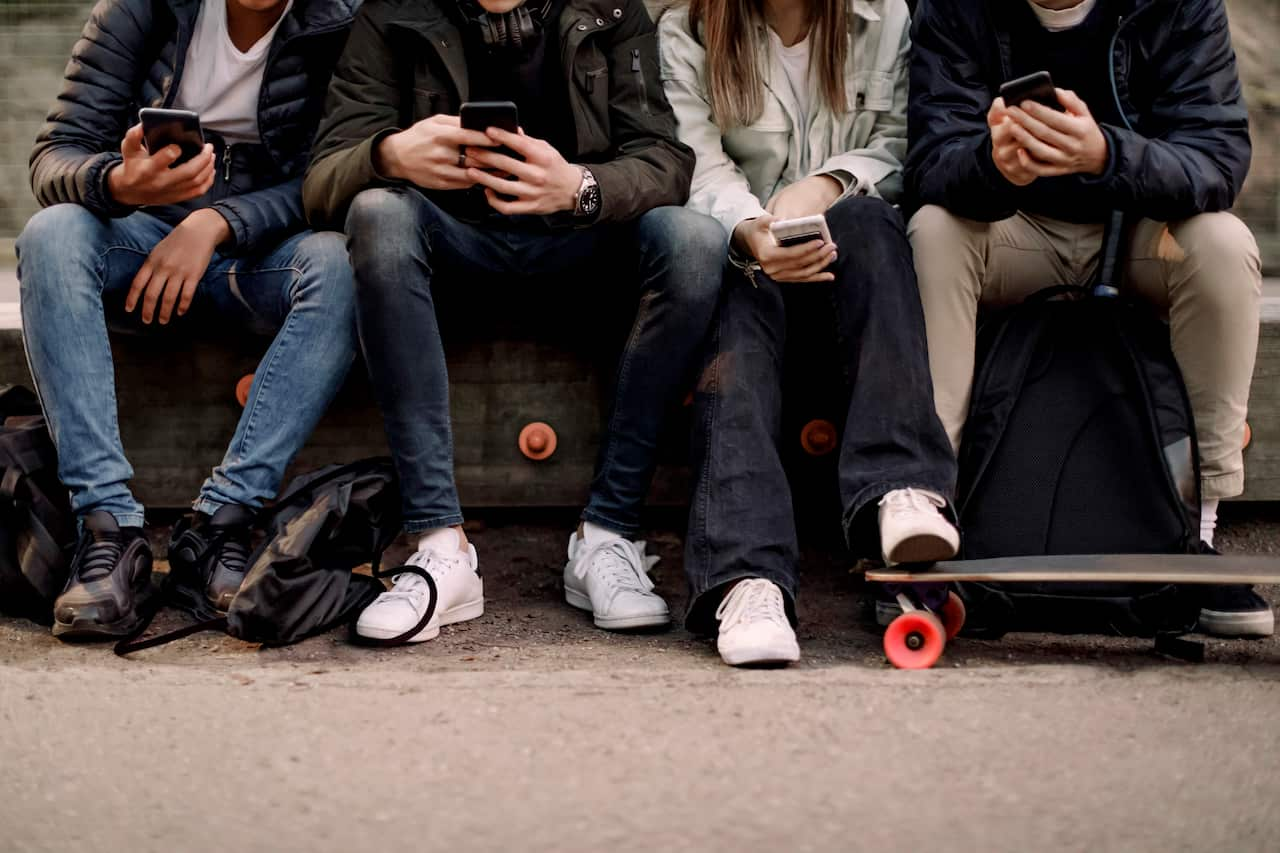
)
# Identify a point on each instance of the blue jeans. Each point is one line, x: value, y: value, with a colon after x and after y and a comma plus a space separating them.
x: 400, y: 241
x: 741, y: 522
x: 75, y: 269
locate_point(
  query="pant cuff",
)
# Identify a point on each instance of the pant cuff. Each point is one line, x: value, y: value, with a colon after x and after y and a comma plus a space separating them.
x: 208, y: 506
x: 423, y: 525
x: 863, y: 537
x: 124, y: 519
x: 700, y: 617
x: 1222, y: 486
x: 628, y: 531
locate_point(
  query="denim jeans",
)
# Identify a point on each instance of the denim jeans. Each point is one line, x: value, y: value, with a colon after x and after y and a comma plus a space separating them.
x: 741, y: 520
x: 75, y: 269
x: 404, y: 247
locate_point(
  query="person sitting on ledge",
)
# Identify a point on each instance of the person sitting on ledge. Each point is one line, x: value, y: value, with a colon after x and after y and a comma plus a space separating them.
x: 586, y: 191
x: 131, y: 236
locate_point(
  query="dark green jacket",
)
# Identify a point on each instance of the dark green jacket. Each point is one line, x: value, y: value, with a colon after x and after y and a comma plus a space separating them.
x: 404, y: 62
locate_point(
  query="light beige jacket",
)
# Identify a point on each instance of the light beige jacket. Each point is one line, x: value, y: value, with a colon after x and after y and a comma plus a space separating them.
x: 737, y: 172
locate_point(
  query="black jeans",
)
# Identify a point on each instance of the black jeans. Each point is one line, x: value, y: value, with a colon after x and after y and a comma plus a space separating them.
x: 399, y: 240
x: 741, y: 522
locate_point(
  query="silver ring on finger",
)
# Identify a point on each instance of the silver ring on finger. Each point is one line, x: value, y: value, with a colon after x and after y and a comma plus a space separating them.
x: 462, y: 158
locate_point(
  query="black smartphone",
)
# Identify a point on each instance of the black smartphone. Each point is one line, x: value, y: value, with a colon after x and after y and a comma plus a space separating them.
x: 1036, y: 87
x: 482, y: 115
x: 172, y: 127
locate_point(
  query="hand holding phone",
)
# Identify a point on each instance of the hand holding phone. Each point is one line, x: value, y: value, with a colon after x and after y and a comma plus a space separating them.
x: 429, y: 154
x: 795, y: 232
x: 1037, y: 87
x: 153, y: 179
x: 802, y: 261
x: 1038, y: 131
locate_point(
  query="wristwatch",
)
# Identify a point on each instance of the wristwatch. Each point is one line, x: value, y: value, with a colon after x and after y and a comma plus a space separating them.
x: 586, y: 204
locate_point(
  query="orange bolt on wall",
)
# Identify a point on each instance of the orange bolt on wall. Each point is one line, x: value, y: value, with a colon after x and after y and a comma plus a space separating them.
x: 818, y: 437
x: 242, y: 389
x: 537, y: 441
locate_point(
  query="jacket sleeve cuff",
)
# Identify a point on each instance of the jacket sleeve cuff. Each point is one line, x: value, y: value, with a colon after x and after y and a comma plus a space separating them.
x: 371, y: 157
x: 97, y: 192
x: 239, y: 229
x: 1109, y: 170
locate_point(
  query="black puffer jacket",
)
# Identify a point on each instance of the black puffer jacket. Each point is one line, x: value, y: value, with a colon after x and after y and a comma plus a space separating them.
x: 131, y: 55
x: 1175, y: 73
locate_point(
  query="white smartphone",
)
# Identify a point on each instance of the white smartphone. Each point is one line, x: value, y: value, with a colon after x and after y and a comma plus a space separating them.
x: 792, y: 232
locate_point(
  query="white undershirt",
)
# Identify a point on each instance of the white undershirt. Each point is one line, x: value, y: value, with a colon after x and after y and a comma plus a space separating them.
x: 218, y: 81
x: 795, y: 65
x: 1056, y: 20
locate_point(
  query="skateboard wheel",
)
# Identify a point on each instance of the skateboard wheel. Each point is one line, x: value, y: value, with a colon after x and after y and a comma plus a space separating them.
x: 915, y: 640
x: 1248, y: 435
x: 818, y: 437
x: 952, y: 615
x: 242, y: 389
x: 537, y: 441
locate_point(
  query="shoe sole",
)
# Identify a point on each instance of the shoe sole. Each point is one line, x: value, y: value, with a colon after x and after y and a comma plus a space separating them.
x: 616, y: 623
x: 760, y: 656
x: 924, y: 548
x: 452, y: 616
x: 1225, y: 623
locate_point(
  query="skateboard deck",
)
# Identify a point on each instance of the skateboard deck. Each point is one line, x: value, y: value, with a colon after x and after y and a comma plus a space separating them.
x: 1117, y: 568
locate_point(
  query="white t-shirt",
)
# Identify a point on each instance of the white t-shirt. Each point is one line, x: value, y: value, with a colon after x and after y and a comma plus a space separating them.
x: 795, y: 65
x: 218, y: 81
x: 1056, y: 20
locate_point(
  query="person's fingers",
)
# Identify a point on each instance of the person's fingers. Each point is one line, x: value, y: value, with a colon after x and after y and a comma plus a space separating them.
x: 138, y: 285
x: 508, y: 208
x: 155, y: 289
x: 188, y: 295
x: 170, y: 298
x: 166, y: 156
x: 813, y: 269
x: 995, y: 115
x: 193, y: 171
x: 502, y: 186
x: 1073, y: 102
x: 447, y: 120
x: 526, y: 146
x: 483, y: 158
x: 813, y: 279
x: 131, y: 145
x: 1038, y: 149
x: 1042, y: 130
x: 803, y: 254
x: 460, y: 137
x: 1064, y: 123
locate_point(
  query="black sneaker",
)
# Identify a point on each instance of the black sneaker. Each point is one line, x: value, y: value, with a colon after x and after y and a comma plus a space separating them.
x: 1234, y: 610
x: 110, y: 583
x: 208, y: 556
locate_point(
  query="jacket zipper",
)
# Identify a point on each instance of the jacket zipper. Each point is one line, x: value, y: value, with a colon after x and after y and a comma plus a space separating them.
x: 637, y: 70
x: 226, y: 164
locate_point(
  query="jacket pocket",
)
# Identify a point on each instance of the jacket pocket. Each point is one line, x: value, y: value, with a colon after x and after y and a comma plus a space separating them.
x: 427, y: 102
x: 637, y: 68
x: 872, y: 90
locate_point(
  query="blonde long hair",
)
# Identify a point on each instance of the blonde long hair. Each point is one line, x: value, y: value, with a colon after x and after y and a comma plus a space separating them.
x: 731, y: 34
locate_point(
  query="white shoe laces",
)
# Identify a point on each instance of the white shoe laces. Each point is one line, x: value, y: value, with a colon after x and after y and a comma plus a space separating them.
x: 912, y: 500
x: 413, y: 588
x: 754, y: 600
x: 620, y: 563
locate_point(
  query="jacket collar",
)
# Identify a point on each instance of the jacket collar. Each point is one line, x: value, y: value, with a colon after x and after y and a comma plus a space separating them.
x: 863, y: 9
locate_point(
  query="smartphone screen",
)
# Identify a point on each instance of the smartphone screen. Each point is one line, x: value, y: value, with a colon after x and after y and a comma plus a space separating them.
x: 172, y: 127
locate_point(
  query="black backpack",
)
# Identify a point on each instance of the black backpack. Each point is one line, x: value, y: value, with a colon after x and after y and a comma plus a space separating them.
x: 300, y: 581
x: 1080, y: 440
x: 37, y: 529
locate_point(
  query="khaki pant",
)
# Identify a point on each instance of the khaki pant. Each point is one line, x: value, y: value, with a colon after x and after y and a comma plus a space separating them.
x: 1204, y: 273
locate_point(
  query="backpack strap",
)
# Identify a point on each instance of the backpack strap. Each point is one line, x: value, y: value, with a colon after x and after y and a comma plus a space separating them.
x: 432, y: 600
x: 1108, y: 283
x: 132, y: 644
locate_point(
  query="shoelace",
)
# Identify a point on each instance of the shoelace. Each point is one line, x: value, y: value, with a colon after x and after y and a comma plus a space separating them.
x: 101, y: 556
x: 622, y: 564
x: 750, y: 601
x: 410, y: 587
x: 231, y: 546
x: 909, y: 500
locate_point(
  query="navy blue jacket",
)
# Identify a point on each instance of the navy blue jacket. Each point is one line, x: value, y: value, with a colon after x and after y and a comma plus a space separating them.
x: 131, y: 55
x: 1175, y: 71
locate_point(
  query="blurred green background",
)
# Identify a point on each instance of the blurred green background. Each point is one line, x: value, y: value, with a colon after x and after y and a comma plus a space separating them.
x: 36, y: 38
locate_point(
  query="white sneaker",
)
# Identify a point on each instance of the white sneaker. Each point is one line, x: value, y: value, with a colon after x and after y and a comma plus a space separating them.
x: 612, y: 581
x: 913, y: 528
x: 753, y: 625
x: 458, y: 585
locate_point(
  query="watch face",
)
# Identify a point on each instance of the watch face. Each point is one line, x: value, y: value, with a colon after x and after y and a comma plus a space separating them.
x: 589, y: 204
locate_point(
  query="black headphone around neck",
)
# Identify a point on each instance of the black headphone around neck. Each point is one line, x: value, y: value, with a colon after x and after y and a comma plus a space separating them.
x: 517, y: 30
